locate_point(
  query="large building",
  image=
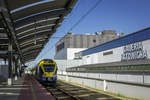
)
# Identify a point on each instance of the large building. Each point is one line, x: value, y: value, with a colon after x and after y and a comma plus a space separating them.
x: 72, y: 43
x: 118, y: 66
x: 131, y: 47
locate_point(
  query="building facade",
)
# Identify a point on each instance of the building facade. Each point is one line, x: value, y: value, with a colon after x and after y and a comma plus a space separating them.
x: 118, y: 66
x: 86, y: 40
x: 67, y: 53
x: 134, y: 46
x: 73, y: 43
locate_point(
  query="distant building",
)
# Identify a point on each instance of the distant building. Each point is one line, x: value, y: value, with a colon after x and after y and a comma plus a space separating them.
x: 73, y: 43
x: 67, y: 53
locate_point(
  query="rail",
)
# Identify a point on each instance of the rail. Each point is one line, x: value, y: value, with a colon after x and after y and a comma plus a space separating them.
x: 61, y: 94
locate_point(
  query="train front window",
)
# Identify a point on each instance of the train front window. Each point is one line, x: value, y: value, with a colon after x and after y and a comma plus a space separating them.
x: 49, y: 67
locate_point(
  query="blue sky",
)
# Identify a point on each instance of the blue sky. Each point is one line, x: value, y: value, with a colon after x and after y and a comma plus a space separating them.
x: 125, y: 16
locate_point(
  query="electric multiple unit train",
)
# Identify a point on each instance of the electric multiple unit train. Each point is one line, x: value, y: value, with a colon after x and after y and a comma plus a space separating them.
x: 46, y: 71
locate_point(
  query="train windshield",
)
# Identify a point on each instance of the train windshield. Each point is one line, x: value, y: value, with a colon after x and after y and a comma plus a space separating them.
x: 49, y: 67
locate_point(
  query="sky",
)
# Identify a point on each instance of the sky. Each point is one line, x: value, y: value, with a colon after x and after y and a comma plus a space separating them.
x: 123, y: 16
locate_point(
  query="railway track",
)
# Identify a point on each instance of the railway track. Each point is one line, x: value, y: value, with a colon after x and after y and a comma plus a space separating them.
x: 61, y: 94
x: 65, y: 91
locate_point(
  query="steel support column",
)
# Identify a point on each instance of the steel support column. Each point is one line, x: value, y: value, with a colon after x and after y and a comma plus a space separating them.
x: 19, y: 67
x: 16, y: 66
x: 10, y: 62
x: 9, y: 24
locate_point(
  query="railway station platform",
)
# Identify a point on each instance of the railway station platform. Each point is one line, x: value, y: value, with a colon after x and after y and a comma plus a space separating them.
x: 25, y: 88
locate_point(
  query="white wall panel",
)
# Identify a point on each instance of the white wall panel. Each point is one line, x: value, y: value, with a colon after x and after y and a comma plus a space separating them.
x: 146, y: 46
x: 114, y: 57
x: 146, y: 79
x: 71, y: 52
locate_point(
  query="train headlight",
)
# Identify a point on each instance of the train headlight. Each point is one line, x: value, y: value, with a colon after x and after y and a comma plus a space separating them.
x: 44, y: 74
x: 44, y: 79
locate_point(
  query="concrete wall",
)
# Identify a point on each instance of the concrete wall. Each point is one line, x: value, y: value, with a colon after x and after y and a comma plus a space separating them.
x: 3, y: 73
x: 134, y: 91
x: 71, y: 52
x: 87, y: 40
x: 63, y: 64
x: 62, y: 54
x: 123, y: 77
x: 67, y: 53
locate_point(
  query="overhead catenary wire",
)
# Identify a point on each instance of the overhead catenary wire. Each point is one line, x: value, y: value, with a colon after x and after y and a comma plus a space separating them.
x: 85, y: 15
x: 80, y: 20
x: 41, y: 55
x: 76, y: 24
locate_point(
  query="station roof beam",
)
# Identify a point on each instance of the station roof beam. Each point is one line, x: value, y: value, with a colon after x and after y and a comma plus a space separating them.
x: 33, y: 22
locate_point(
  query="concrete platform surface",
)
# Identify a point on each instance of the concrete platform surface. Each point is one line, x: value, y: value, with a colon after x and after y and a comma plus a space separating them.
x: 26, y: 88
x: 11, y: 92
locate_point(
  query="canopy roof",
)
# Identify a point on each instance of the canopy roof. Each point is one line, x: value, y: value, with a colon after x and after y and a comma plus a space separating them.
x: 31, y: 23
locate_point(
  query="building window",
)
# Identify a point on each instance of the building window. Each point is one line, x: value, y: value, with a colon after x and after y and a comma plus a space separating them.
x: 61, y: 46
x: 94, y: 41
x: 107, y: 53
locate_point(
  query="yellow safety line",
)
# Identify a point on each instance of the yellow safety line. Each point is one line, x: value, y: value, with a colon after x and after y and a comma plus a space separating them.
x: 33, y: 92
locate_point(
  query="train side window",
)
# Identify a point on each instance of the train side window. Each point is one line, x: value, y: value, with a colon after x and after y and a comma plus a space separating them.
x: 40, y: 71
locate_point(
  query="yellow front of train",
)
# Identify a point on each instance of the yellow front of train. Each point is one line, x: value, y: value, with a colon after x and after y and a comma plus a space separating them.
x: 47, y: 71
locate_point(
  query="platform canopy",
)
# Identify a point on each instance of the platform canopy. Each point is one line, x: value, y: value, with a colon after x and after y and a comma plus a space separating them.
x: 31, y: 23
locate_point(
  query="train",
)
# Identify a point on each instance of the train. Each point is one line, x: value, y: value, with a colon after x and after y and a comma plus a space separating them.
x: 46, y: 72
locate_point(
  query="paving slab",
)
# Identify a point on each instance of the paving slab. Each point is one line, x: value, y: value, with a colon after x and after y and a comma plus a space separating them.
x: 11, y: 92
